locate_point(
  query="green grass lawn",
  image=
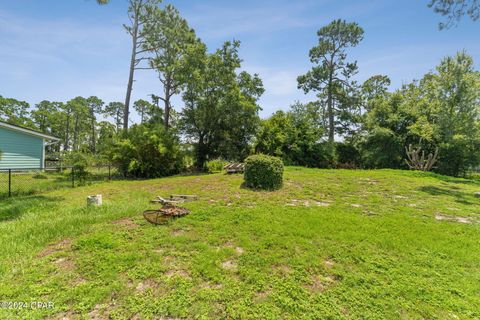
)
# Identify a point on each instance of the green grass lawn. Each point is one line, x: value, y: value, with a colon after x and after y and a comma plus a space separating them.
x: 330, y: 244
x: 37, y: 181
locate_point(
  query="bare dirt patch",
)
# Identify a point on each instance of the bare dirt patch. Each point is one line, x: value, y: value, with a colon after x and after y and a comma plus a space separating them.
x: 248, y: 204
x: 177, y: 232
x: 320, y: 283
x: 261, y: 296
x: 65, y: 263
x: 146, y: 284
x: 329, y: 263
x: 128, y: 223
x: 230, y: 244
x: 282, y: 269
x: 170, y: 260
x: 78, y: 281
x: 229, y: 265
x: 442, y: 217
x: 96, y: 313
x: 178, y: 273
x: 102, y: 311
x: 60, y: 246
x: 292, y: 183
x: 210, y: 286
x: 453, y: 209
x: 307, y: 203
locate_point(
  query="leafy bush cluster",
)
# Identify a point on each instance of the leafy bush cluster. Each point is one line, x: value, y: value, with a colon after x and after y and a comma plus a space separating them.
x: 215, y: 165
x: 263, y: 172
x: 148, y: 152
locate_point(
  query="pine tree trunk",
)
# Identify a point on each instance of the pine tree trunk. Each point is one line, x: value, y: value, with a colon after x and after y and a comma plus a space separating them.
x: 67, y: 133
x: 133, y: 57
x: 75, y: 134
x: 331, y: 118
x: 330, y: 111
x: 93, y: 147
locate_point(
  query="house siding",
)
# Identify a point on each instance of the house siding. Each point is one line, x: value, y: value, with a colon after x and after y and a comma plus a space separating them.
x: 20, y: 150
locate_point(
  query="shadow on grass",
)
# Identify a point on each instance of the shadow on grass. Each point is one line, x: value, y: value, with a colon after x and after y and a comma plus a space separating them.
x: 245, y: 187
x: 14, y: 208
x: 460, y: 196
x: 455, y: 179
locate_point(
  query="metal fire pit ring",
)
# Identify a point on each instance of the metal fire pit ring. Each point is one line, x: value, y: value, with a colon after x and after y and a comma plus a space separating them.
x: 167, y: 212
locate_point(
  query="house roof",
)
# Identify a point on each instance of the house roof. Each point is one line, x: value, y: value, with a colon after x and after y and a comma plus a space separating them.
x: 27, y: 131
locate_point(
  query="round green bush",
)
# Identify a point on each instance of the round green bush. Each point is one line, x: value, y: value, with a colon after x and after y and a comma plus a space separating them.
x: 263, y: 172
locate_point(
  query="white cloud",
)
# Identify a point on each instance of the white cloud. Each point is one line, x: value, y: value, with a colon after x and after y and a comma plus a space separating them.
x: 225, y: 23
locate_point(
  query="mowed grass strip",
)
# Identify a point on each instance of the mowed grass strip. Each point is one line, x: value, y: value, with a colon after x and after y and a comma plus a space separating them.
x: 330, y: 244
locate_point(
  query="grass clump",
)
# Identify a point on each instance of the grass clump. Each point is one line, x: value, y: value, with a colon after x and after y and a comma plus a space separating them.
x: 263, y: 172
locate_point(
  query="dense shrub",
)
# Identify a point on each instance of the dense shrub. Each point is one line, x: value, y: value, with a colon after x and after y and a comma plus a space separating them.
x: 382, y: 149
x: 347, y: 155
x: 148, y: 153
x: 263, y: 172
x: 457, y: 158
x: 323, y: 156
x: 295, y: 137
x: 215, y: 165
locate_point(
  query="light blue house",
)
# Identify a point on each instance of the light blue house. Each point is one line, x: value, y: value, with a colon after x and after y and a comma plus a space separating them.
x: 22, y: 148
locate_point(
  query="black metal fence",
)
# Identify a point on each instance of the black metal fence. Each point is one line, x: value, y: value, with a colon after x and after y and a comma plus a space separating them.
x: 15, y: 182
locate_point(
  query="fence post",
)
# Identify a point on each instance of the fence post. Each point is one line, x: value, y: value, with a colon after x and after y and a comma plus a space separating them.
x: 109, y: 174
x: 9, y: 182
x: 73, y: 177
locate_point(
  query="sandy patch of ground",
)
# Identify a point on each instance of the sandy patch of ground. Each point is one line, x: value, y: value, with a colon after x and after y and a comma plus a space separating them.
x: 229, y: 265
x: 282, y: 269
x: 146, y: 284
x: 65, y: 263
x: 320, y: 283
x: 177, y: 273
x: 128, y: 223
x: 60, y: 246
x: 307, y: 203
x: 329, y: 263
x: 442, y: 217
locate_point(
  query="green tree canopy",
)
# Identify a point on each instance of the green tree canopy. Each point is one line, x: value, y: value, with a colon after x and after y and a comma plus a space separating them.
x: 331, y: 73
x: 220, y: 115
x: 454, y: 10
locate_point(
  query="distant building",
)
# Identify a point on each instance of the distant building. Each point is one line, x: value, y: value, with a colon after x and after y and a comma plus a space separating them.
x: 22, y: 148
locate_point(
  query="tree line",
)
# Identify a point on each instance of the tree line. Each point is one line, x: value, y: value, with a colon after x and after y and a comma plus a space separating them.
x: 349, y: 124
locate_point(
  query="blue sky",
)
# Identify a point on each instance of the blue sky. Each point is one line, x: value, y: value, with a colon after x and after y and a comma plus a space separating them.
x: 58, y: 49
